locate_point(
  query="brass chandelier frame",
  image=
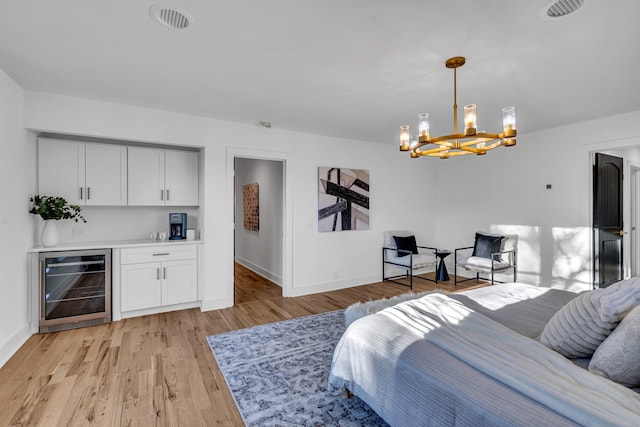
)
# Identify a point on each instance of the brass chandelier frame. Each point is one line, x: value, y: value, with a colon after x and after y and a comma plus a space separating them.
x: 457, y: 144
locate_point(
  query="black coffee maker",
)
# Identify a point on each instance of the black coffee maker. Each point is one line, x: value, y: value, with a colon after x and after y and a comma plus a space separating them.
x: 177, y: 226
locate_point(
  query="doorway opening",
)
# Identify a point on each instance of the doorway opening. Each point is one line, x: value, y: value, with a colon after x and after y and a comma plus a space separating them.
x: 259, y: 188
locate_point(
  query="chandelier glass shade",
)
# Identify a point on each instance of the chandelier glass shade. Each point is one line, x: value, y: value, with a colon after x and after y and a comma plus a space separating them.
x: 457, y: 144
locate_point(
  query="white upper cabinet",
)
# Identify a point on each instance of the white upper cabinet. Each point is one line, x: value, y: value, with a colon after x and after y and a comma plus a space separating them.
x: 105, y: 175
x: 181, y: 178
x: 61, y: 169
x: 162, y: 177
x: 83, y: 173
x: 146, y: 176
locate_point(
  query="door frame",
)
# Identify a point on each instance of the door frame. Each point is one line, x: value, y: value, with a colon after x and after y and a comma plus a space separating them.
x: 614, y: 147
x: 287, y: 220
x: 634, y: 219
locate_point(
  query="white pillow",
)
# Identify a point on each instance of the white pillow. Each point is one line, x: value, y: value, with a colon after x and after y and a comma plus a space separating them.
x: 620, y: 299
x: 618, y: 357
x: 583, y: 323
x: 576, y: 330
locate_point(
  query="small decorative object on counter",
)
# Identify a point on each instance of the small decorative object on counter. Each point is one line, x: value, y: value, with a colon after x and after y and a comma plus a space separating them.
x: 191, y: 234
x: 51, y: 209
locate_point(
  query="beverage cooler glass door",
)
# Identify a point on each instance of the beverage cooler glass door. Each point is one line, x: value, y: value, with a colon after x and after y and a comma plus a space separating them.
x: 75, y: 289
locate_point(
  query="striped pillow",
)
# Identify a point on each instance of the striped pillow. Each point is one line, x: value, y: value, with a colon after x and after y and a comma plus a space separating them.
x: 577, y: 329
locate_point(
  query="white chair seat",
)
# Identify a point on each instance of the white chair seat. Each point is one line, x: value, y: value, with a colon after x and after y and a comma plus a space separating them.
x: 419, y: 260
x: 482, y: 264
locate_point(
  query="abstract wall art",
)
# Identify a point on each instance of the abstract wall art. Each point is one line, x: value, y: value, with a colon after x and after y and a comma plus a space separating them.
x: 343, y: 199
x: 251, y: 206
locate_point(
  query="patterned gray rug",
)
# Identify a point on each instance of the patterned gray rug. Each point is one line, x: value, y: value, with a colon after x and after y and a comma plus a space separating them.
x: 277, y: 373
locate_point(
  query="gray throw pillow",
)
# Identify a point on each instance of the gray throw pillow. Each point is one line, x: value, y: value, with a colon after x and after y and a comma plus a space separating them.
x: 576, y: 330
x: 618, y: 357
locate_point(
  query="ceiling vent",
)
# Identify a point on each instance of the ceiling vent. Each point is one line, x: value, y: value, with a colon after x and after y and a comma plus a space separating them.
x: 171, y: 17
x: 561, y: 8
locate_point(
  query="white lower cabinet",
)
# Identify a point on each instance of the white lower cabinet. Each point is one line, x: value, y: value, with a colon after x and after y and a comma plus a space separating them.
x: 158, y: 276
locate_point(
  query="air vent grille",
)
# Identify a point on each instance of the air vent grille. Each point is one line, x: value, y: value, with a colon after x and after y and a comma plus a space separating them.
x: 171, y: 17
x: 562, y: 8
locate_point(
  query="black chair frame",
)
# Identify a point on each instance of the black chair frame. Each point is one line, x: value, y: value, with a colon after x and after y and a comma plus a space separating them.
x: 409, y: 269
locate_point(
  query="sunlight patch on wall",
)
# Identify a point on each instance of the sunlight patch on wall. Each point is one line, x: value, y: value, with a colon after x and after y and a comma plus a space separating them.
x: 571, y: 258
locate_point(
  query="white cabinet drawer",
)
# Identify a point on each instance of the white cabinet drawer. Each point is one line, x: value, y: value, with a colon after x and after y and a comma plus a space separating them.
x: 158, y: 254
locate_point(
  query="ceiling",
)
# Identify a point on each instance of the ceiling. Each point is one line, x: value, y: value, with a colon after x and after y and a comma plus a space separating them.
x: 352, y: 69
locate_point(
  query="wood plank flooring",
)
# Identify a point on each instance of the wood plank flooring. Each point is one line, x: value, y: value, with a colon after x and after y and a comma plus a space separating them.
x: 154, y: 370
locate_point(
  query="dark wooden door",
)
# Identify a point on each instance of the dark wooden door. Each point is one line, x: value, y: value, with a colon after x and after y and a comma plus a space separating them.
x: 607, y: 220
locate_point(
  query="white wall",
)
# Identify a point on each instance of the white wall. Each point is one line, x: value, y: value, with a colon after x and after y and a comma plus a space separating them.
x: 117, y: 223
x: 506, y: 190
x: 402, y: 190
x: 261, y: 250
x: 17, y: 178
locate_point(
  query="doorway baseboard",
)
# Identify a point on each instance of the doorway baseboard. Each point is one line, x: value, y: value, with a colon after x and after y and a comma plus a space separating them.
x: 260, y: 271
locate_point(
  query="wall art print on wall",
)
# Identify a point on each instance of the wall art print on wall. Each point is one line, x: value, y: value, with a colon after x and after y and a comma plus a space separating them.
x: 251, y: 206
x: 343, y: 199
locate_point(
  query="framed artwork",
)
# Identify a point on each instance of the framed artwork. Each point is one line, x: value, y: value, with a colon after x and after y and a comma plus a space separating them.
x: 251, y: 206
x: 343, y: 199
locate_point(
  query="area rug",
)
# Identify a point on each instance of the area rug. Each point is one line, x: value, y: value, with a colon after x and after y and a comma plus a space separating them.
x: 277, y: 373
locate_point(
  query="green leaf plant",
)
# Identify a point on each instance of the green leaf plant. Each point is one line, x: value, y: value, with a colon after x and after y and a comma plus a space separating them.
x: 51, y: 207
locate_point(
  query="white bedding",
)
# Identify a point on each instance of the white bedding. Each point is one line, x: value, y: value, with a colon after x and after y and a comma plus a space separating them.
x: 433, y: 361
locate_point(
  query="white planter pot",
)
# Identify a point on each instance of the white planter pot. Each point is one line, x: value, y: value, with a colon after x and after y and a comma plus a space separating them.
x: 49, y: 236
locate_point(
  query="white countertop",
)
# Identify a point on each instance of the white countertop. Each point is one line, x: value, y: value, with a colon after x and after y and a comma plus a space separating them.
x: 111, y: 244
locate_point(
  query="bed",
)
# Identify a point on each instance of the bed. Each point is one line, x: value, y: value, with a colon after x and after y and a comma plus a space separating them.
x: 473, y: 359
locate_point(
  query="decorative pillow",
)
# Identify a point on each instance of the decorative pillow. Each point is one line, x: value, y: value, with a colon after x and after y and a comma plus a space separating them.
x: 618, y: 357
x: 576, y: 330
x: 404, y: 244
x: 620, y: 299
x: 487, y: 244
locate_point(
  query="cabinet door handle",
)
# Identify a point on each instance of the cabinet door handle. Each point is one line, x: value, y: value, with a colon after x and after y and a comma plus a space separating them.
x: 161, y: 194
x: 158, y: 273
x: 88, y: 193
x: 81, y: 193
x: 162, y: 254
x: 164, y: 272
x: 167, y: 194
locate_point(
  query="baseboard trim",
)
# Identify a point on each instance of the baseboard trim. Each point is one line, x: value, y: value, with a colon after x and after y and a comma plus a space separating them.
x: 157, y: 310
x: 260, y: 271
x: 332, y: 286
x: 13, y: 344
x: 216, y: 304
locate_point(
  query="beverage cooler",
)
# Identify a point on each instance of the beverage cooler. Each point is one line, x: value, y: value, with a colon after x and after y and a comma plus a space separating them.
x: 75, y: 289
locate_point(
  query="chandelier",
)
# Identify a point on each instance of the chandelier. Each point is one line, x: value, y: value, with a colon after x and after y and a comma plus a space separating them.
x: 458, y: 144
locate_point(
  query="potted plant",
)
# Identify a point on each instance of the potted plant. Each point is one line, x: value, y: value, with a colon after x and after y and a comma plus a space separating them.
x: 51, y: 209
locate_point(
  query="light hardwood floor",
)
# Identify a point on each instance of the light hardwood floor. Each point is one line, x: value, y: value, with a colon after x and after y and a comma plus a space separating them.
x: 154, y: 370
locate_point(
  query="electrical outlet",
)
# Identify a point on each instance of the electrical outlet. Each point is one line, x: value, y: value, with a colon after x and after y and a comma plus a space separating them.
x: 78, y: 231
x: 335, y: 275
